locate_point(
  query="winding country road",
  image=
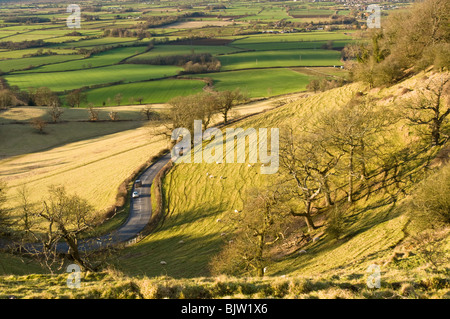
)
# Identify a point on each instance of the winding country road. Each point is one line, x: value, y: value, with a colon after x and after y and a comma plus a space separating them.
x: 138, y: 218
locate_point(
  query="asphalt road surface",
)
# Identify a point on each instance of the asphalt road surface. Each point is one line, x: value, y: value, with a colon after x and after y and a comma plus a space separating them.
x: 138, y: 218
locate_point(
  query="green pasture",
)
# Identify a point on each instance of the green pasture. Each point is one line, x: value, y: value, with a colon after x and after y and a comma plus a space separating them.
x: 159, y: 91
x: 17, y: 54
x: 19, y: 64
x: 109, y: 57
x: 70, y: 80
x: 96, y: 42
x: 312, y: 36
x: 280, y: 58
x: 168, y: 50
x: 260, y: 83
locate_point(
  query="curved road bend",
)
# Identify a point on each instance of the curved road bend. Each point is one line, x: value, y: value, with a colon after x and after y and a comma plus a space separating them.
x: 138, y: 218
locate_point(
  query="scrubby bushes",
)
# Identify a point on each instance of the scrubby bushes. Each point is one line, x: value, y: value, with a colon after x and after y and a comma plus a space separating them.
x: 431, y: 201
x: 407, y: 43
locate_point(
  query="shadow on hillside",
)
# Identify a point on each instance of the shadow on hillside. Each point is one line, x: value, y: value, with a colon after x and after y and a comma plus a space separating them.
x: 21, y: 139
x: 178, y: 256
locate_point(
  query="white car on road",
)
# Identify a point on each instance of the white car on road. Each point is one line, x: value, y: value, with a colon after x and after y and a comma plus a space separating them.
x: 135, y: 194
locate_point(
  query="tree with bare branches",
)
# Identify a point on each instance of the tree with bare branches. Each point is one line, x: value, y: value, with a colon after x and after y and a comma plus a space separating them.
x: 258, y: 227
x: 431, y: 109
x: 62, y: 217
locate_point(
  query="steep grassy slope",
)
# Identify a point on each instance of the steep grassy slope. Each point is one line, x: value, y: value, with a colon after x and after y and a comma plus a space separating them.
x: 193, y: 229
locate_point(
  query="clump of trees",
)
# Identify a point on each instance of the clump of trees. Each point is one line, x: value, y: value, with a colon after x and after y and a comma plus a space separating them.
x: 127, y: 33
x: 10, y: 45
x: 192, y: 63
x: 327, y: 163
x: 76, y: 97
x: 202, y: 106
x: 324, y: 84
x: 408, y: 42
x: 6, y: 99
x: 27, y: 20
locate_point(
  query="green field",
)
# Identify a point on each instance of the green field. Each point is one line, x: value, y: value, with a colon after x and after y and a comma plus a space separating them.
x: 109, y: 57
x: 20, y: 64
x: 280, y: 58
x: 260, y: 83
x: 168, y: 50
x: 87, y: 44
x: 151, y: 91
x: 303, y: 40
x: 69, y: 80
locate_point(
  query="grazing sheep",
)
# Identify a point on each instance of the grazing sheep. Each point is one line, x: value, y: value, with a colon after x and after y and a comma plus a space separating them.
x: 162, y: 262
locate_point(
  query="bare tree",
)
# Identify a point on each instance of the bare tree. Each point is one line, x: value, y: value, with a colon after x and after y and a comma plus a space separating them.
x: 39, y: 124
x: 149, y: 114
x: 6, y: 99
x: 55, y: 112
x: 114, y: 116
x: 62, y: 217
x: 351, y: 130
x: 185, y: 109
x: 257, y: 229
x: 118, y: 98
x: 93, y: 114
x: 226, y: 100
x: 76, y: 97
x: 307, y: 166
x: 431, y: 109
x: 5, y: 221
x: 43, y: 96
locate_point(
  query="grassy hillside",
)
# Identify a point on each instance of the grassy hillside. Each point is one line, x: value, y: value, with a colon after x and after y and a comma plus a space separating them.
x: 197, y: 206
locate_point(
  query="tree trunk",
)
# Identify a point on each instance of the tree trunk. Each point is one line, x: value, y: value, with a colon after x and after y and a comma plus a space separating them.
x: 259, y: 256
x: 308, y: 218
x: 435, y: 134
x: 350, y: 175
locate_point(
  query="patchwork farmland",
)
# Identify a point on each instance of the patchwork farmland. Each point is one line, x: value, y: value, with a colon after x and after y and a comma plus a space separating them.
x: 88, y: 110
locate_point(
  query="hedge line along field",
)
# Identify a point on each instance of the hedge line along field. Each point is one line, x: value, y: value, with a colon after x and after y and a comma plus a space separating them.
x: 260, y: 82
x: 280, y: 58
x: 302, y: 40
x: 18, y: 54
x: 69, y: 80
x: 168, y: 50
x: 159, y: 91
x: 22, y: 63
x: 109, y: 57
x: 91, y: 43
